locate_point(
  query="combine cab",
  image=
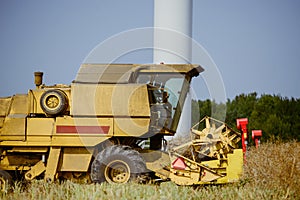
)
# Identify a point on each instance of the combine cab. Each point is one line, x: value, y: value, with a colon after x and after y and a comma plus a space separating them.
x: 92, y: 130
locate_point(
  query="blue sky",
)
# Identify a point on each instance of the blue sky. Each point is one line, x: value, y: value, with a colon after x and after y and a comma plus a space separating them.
x: 255, y: 44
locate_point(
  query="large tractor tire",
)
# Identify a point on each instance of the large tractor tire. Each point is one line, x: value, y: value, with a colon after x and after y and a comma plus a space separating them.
x: 118, y: 164
x: 54, y: 102
x: 5, y: 181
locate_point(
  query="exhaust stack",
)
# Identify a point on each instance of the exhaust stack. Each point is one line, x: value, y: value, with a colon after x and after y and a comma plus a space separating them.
x: 38, y: 78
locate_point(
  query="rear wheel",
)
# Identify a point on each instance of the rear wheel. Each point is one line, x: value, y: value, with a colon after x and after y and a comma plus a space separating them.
x: 118, y: 164
x: 5, y: 181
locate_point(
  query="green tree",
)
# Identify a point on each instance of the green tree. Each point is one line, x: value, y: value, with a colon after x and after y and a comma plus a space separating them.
x: 240, y: 107
x: 277, y: 117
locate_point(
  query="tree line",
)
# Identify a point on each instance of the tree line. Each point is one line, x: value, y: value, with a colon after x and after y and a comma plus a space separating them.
x: 278, y: 117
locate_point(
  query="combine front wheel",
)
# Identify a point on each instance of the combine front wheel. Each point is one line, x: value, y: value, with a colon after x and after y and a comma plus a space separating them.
x: 117, y: 164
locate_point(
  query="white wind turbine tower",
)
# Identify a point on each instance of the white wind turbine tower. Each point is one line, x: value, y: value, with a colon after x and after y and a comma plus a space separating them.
x: 172, y: 18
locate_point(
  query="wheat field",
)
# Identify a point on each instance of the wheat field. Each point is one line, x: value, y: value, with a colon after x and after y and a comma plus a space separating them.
x: 271, y: 172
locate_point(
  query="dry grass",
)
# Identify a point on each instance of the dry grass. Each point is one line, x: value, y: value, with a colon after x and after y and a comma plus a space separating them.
x: 275, y: 166
x: 271, y: 172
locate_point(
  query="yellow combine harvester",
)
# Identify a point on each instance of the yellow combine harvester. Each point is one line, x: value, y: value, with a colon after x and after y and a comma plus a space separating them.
x: 95, y: 128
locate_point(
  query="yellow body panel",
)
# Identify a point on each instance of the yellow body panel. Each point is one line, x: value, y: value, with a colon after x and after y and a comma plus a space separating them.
x: 40, y: 126
x: 13, y: 129
x: 133, y: 127
x: 232, y: 167
x: 84, y: 121
x: 4, y: 105
x: 77, y: 141
x: 235, y: 165
x: 19, y: 104
x: 40, y: 129
x: 4, y: 108
x: 75, y: 159
x: 110, y: 100
x: 80, y: 131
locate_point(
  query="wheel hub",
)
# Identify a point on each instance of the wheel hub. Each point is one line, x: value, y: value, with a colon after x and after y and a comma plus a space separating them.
x: 117, y: 171
x: 52, y: 101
